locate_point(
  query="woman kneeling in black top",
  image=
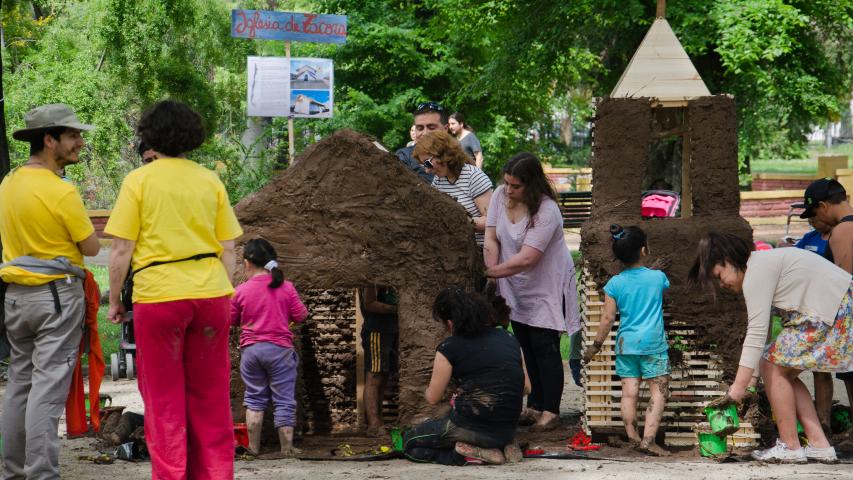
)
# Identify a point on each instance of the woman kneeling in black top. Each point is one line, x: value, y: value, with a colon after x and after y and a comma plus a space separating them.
x: 486, y: 364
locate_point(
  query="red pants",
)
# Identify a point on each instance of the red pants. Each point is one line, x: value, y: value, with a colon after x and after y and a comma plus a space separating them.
x: 184, y: 375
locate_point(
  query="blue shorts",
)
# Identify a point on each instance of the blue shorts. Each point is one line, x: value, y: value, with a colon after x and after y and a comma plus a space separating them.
x: 643, y: 366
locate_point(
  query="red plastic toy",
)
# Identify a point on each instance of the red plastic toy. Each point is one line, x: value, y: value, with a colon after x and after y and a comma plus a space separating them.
x: 582, y: 442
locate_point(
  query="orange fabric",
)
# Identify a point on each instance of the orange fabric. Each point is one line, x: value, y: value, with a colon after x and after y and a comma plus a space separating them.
x: 75, y: 407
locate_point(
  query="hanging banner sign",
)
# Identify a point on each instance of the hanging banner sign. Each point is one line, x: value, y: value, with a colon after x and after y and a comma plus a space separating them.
x: 288, y: 26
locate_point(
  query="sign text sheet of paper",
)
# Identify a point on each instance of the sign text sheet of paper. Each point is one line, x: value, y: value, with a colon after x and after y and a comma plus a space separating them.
x: 268, y: 92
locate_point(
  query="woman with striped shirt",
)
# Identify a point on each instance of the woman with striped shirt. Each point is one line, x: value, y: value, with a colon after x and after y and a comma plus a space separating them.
x: 441, y: 155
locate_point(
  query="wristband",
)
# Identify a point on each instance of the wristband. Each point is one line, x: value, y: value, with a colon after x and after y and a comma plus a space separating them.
x: 751, y: 389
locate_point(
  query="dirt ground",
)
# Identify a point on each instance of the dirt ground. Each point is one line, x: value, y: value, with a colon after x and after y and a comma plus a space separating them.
x: 619, y: 463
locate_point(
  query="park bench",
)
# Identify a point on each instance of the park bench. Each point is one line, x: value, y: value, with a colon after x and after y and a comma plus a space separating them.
x: 575, y: 207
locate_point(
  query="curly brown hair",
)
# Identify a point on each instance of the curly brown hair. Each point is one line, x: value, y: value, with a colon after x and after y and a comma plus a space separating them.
x: 171, y: 127
x: 445, y: 147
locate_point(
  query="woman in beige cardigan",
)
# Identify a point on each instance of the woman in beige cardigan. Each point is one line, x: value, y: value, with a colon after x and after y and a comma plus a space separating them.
x: 814, y: 298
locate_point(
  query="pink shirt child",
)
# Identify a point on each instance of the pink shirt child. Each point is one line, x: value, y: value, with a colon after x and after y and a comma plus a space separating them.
x: 264, y: 313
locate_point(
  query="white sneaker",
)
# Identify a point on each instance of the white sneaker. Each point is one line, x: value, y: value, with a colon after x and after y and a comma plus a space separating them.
x: 780, y: 454
x: 821, y: 455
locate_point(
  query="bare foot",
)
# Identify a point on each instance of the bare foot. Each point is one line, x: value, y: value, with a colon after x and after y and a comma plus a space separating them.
x: 290, y: 452
x: 617, y: 442
x: 376, y: 431
x: 652, y: 448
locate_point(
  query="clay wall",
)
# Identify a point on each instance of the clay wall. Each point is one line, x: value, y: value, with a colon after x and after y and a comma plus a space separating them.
x: 624, y: 130
x: 346, y: 215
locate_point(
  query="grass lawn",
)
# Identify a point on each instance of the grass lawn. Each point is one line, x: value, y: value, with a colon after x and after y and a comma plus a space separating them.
x: 109, y: 333
x: 801, y: 165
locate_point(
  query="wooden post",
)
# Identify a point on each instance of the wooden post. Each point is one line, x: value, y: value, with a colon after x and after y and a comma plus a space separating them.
x: 686, y: 165
x: 661, y: 9
x: 361, y: 419
x: 291, y: 148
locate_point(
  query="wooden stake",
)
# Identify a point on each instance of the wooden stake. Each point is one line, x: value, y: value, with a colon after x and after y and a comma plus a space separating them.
x: 686, y: 167
x: 291, y: 148
x: 661, y: 10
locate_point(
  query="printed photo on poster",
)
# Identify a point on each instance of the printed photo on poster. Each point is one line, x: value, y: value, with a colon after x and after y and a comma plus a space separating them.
x: 311, y: 87
x: 311, y: 103
x: 268, y: 87
x: 310, y: 74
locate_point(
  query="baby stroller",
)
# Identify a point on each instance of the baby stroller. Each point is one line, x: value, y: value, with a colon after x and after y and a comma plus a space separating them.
x: 123, y: 363
x: 660, y: 203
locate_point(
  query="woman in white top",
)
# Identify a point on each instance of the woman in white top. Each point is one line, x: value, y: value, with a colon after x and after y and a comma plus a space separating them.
x: 814, y: 298
x: 455, y: 176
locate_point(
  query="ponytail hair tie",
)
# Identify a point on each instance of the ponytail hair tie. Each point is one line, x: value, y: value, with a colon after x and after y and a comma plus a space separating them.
x: 270, y: 265
x: 616, y: 231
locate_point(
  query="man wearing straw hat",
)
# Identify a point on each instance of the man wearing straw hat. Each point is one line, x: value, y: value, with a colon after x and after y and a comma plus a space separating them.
x: 45, y: 232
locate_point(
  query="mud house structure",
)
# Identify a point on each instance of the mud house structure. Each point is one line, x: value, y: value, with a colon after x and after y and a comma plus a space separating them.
x: 348, y: 214
x: 662, y: 123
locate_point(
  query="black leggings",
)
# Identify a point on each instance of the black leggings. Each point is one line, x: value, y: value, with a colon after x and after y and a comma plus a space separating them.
x: 434, y: 441
x: 541, y: 348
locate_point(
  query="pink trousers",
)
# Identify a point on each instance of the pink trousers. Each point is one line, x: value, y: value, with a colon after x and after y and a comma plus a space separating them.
x: 184, y: 375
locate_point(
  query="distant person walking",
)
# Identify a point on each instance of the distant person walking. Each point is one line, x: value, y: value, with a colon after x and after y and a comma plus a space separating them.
x: 263, y: 307
x: 174, y: 219
x: 465, y: 134
x: 46, y: 232
x: 527, y: 254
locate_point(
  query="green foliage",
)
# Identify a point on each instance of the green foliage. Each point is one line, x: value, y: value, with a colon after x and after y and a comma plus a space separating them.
x: 524, y: 72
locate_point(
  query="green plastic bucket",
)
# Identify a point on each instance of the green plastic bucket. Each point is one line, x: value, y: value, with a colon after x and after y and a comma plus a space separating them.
x: 397, y: 439
x: 710, y: 445
x: 723, y: 421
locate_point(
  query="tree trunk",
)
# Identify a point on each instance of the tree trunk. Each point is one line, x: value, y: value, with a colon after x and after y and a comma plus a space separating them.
x: 847, y: 122
x: 5, y: 163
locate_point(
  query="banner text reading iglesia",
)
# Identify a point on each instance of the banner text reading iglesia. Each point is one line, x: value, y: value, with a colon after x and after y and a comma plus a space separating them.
x: 297, y: 27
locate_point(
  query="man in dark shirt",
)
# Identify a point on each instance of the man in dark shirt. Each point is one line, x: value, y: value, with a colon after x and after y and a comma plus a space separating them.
x: 429, y: 117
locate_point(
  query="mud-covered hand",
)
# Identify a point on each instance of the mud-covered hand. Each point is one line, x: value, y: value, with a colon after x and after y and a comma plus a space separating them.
x: 661, y: 263
x: 591, y: 351
x: 722, y: 402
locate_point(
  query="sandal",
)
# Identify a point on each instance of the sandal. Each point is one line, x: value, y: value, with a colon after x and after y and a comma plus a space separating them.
x: 491, y: 456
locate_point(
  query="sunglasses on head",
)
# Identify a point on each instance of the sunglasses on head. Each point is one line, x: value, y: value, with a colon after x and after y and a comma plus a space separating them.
x: 429, y: 107
x: 428, y: 163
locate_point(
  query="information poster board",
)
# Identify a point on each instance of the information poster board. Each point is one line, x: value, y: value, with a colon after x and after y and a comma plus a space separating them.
x: 268, y: 92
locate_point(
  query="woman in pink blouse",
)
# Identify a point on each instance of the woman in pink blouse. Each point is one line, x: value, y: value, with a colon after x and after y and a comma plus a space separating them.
x: 527, y: 255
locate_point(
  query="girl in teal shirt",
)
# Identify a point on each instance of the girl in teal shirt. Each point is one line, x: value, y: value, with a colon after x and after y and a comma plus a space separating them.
x: 641, y: 346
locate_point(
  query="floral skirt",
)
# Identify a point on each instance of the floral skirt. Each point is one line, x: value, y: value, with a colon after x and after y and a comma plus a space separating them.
x: 806, y: 343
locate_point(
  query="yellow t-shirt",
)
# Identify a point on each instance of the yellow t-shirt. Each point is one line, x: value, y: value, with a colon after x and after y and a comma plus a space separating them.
x: 174, y: 208
x: 41, y: 216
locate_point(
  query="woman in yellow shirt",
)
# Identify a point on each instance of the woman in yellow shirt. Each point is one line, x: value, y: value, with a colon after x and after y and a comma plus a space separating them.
x: 173, y: 218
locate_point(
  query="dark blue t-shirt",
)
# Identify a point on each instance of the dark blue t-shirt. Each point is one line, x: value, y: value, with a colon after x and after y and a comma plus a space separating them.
x: 813, y: 242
